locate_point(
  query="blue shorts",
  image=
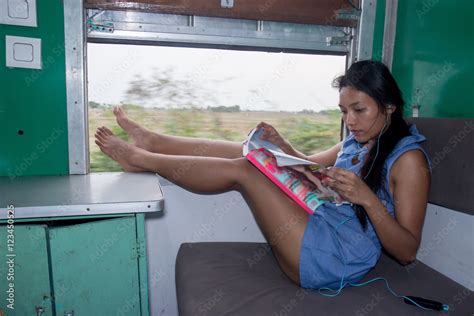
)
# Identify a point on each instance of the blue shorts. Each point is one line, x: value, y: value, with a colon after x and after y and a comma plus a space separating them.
x: 330, y: 251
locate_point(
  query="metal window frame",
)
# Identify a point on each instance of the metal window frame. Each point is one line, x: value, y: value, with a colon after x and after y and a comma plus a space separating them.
x: 363, y: 35
x: 105, y: 26
x: 389, y: 33
x: 211, y: 32
x: 366, y: 30
x: 76, y: 87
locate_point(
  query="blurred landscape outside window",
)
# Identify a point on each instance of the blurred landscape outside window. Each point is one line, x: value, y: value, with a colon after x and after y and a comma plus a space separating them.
x: 211, y: 93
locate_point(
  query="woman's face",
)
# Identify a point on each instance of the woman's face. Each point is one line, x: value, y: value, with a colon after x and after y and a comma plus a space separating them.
x: 361, y: 114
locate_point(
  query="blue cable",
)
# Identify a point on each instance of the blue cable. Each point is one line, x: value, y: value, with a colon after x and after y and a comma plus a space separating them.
x: 342, y: 285
x: 391, y: 291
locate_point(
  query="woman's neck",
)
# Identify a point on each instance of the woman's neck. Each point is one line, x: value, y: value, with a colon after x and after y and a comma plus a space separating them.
x: 367, y: 144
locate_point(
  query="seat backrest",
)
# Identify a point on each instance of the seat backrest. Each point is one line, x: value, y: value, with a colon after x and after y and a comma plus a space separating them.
x: 450, y: 145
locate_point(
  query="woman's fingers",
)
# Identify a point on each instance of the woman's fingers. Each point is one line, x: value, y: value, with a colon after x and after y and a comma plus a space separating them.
x: 343, y: 189
x: 298, y: 168
x: 269, y: 132
x: 263, y: 125
x: 338, y: 174
x: 347, y: 184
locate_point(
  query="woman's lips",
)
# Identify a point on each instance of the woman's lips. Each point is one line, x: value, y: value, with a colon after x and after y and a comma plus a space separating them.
x: 356, y: 133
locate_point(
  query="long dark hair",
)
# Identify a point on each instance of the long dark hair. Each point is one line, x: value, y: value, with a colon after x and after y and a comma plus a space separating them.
x: 374, y: 79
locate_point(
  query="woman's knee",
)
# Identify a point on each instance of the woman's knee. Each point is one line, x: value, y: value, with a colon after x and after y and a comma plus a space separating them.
x: 244, y: 172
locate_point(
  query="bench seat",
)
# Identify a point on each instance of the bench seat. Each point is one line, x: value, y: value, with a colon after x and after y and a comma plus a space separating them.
x: 237, y: 278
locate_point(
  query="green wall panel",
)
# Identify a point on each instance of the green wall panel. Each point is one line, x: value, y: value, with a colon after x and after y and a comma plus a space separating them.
x: 378, y: 31
x: 33, y: 112
x: 433, y: 57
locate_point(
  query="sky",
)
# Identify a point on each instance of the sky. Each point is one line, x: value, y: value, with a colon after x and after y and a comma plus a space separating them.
x: 252, y: 80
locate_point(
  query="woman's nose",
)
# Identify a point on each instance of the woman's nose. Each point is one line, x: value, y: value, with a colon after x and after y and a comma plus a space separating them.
x: 350, y: 119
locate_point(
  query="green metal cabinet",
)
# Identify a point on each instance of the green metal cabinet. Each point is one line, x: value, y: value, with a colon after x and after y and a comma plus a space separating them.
x: 80, y: 266
x: 30, y: 280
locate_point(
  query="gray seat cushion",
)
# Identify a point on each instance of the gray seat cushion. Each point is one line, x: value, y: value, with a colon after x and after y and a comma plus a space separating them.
x: 222, y: 278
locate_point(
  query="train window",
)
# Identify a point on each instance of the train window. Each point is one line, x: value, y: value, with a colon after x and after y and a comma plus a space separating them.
x: 212, y: 93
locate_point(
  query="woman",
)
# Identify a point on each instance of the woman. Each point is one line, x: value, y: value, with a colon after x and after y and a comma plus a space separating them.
x: 380, y: 168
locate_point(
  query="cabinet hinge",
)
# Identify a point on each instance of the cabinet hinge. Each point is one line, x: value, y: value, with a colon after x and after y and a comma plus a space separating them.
x: 139, y: 249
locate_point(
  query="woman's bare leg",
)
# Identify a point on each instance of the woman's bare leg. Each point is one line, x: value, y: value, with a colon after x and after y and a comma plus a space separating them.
x: 176, y: 145
x: 281, y: 220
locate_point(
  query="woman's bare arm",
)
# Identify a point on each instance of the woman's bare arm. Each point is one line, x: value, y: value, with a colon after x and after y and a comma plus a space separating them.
x: 327, y: 157
x: 411, y: 180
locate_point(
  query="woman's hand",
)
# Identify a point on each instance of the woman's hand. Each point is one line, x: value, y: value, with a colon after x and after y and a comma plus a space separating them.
x: 349, y: 185
x: 270, y: 134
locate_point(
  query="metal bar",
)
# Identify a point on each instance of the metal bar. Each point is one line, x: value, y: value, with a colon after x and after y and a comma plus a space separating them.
x: 78, y: 140
x: 126, y: 37
x: 365, y: 37
x: 389, y: 32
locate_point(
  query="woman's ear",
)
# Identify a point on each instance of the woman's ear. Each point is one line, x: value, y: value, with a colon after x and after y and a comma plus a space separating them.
x: 390, y: 109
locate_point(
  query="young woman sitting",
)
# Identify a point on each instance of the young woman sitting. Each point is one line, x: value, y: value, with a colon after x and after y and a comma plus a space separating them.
x: 380, y: 168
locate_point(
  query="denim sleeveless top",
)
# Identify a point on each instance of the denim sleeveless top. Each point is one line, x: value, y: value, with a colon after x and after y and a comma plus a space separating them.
x: 334, y: 244
x: 351, y: 148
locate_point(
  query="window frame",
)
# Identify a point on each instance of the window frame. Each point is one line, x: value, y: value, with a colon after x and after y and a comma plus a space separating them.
x: 128, y: 27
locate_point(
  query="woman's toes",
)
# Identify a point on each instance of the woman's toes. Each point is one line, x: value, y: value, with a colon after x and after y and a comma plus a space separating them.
x: 100, y: 139
x: 104, y: 131
x: 99, y: 133
x: 101, y: 136
x: 118, y: 112
x: 107, y: 131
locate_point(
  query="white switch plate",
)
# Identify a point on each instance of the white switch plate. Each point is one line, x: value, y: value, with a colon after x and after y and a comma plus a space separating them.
x: 18, y: 12
x: 227, y: 3
x: 23, y: 52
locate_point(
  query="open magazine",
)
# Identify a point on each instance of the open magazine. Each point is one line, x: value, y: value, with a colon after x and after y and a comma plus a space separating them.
x: 300, y: 179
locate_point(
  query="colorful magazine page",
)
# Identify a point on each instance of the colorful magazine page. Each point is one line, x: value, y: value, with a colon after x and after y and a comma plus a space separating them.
x: 254, y: 141
x: 294, y: 181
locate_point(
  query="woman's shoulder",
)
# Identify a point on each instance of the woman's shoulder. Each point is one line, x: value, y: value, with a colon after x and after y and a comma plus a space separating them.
x: 412, y: 159
x: 411, y: 170
x: 408, y: 155
x: 412, y: 142
x: 414, y: 139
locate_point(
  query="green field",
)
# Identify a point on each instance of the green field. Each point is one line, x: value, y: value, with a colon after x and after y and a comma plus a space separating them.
x: 308, y: 132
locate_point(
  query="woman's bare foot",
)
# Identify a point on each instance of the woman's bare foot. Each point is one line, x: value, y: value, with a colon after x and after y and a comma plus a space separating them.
x: 142, y: 137
x: 117, y: 149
